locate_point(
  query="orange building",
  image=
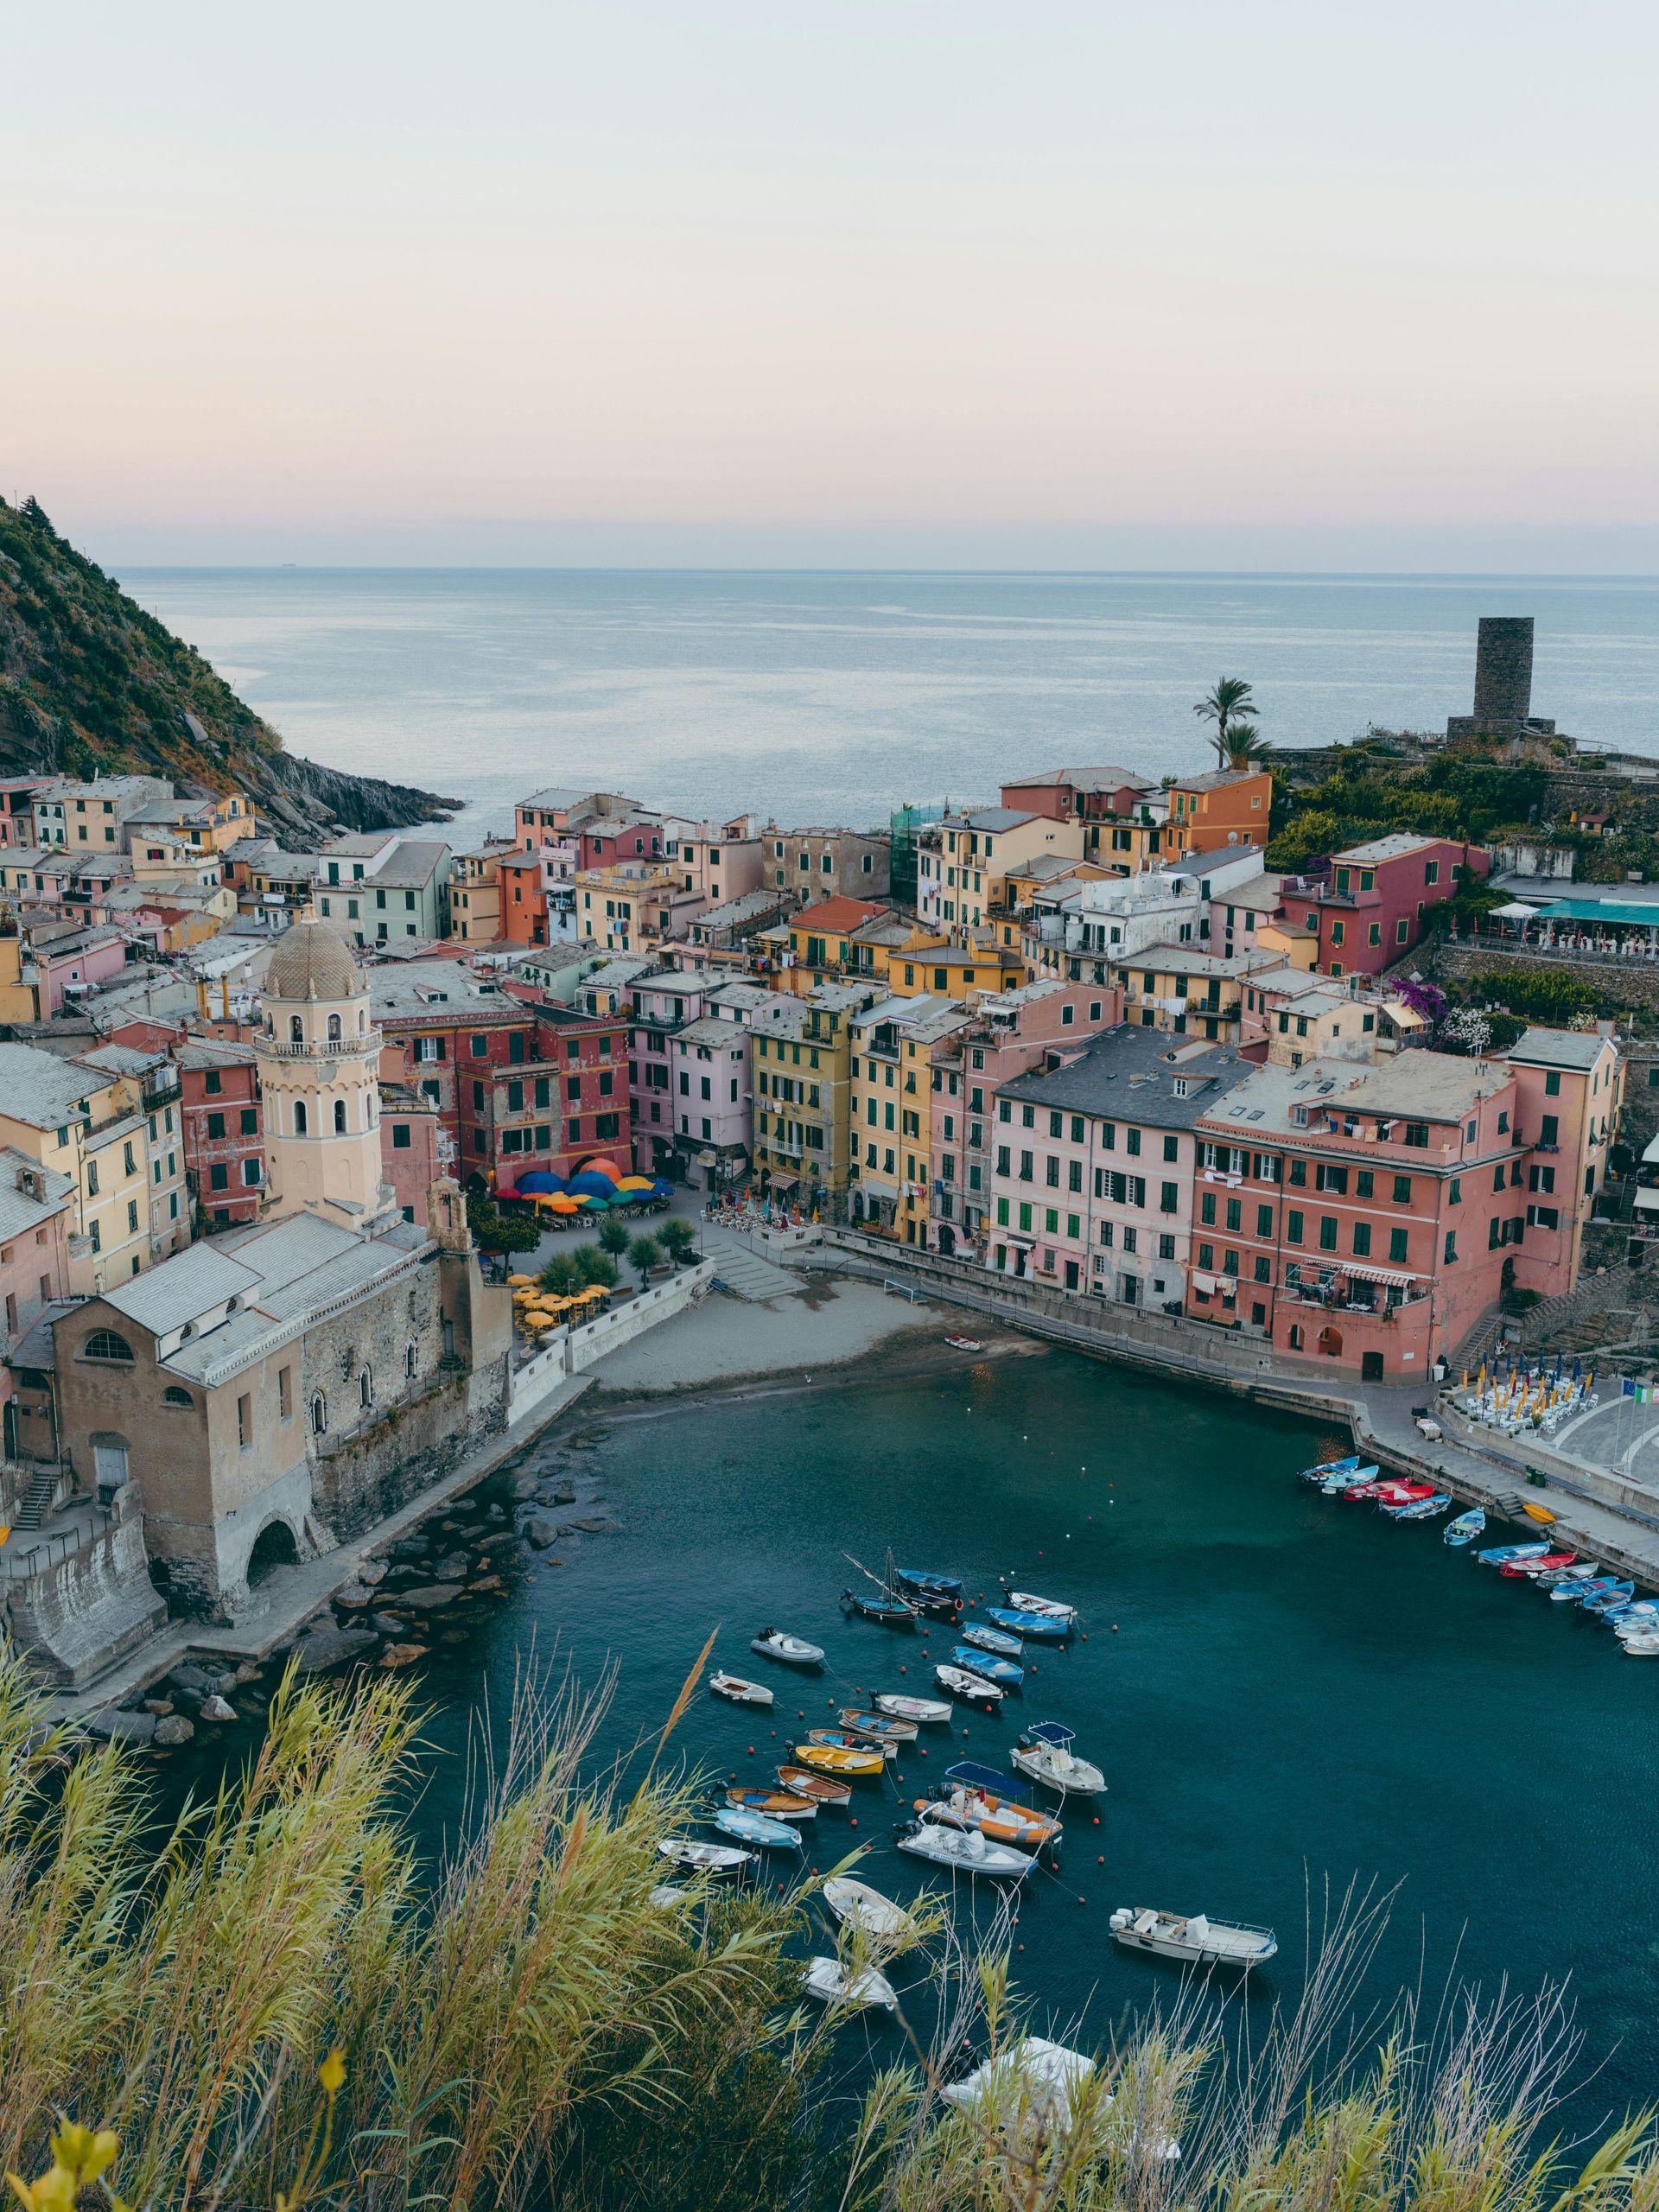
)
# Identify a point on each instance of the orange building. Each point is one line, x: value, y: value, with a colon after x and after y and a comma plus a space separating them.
x: 1230, y: 806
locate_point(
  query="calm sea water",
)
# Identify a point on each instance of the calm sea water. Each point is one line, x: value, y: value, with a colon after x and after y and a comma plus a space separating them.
x: 1283, y: 1690
x: 821, y: 697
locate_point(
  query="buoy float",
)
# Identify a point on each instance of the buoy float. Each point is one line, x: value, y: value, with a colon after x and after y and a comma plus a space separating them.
x: 854, y: 1821
x: 1101, y: 1860
x: 751, y: 1751
x: 1082, y: 1900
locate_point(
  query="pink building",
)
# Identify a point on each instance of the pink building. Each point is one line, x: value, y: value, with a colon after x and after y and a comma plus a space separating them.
x: 33, y: 1260
x: 711, y: 1099
x: 1095, y: 1165
x: 665, y: 1000
x: 1012, y: 1032
x: 1373, y: 908
x: 416, y: 1149
x: 1569, y: 1096
x: 17, y: 808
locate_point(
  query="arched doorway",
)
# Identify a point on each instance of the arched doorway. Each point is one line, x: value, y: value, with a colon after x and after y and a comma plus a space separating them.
x: 947, y: 1238
x: 1330, y: 1343
x: 273, y: 1547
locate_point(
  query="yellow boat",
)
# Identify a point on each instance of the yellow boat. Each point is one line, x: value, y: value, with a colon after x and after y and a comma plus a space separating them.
x: 832, y: 1758
x: 1538, y: 1513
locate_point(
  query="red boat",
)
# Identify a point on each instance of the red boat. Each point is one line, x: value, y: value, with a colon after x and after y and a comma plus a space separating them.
x: 1549, y: 1564
x: 1396, y: 1490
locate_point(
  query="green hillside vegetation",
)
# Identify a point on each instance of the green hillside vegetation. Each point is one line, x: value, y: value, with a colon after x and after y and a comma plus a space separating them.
x: 92, y: 685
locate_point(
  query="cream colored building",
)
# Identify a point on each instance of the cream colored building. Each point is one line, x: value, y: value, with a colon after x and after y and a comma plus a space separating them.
x: 318, y: 1055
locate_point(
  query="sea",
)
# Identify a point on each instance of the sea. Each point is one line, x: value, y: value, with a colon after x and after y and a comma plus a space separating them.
x: 1294, y: 1701
x: 814, y: 698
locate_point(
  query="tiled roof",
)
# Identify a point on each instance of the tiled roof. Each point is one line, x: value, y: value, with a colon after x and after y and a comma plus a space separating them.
x: 836, y: 917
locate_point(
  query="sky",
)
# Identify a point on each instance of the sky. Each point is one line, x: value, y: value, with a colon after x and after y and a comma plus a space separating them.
x: 926, y: 283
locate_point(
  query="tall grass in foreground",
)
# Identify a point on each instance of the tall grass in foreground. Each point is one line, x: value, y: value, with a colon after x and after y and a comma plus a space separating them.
x: 521, y: 2026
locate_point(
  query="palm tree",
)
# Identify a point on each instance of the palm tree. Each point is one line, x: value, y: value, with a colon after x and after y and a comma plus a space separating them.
x: 1228, y: 704
x: 1246, y: 746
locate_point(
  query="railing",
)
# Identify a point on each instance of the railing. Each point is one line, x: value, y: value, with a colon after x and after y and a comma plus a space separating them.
x: 321, y: 1048
x: 20, y: 1564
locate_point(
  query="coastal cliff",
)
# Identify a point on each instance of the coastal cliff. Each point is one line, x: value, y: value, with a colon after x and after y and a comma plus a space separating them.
x: 91, y: 684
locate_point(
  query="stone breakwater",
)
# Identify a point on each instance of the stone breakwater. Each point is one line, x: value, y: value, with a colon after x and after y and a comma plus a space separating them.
x: 437, y: 1585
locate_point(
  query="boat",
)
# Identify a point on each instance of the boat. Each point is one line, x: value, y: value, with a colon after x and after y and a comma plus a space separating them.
x: 1465, y: 1529
x: 1325, y: 1468
x: 668, y: 1897
x: 1585, y: 1571
x: 1644, y: 1615
x: 801, y: 1782
x: 890, y: 1613
x: 984, y: 1662
x: 964, y: 1343
x: 856, y: 1905
x: 1538, y: 1513
x: 1350, y: 1478
x: 1503, y: 1554
x: 882, y: 1728
x: 992, y: 1639
x: 1195, y: 1939
x: 791, y: 1650
x: 1425, y: 1508
x: 1573, y: 1589
x: 963, y: 1851
x: 1519, y: 1570
x: 851, y: 1739
x: 1002, y: 1820
x: 738, y: 1690
x: 1616, y: 1593
x: 1354, y: 1493
x: 832, y: 1983
x: 911, y: 1709
x: 925, y: 1582
x: 1039, y: 1627
x: 703, y: 1857
x: 1023, y: 1601
x: 1031, y: 2083
x: 1642, y: 1647
x: 754, y: 1827
x: 789, y: 1805
x: 1043, y: 1752
x: 1402, y: 1493
x: 836, y: 1759
x: 962, y: 1684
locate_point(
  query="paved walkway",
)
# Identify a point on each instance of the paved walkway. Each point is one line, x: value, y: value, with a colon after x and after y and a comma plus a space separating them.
x: 744, y: 1271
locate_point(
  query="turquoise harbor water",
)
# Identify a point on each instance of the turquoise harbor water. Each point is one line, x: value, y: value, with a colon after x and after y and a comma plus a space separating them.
x: 831, y: 697
x: 1297, y: 1692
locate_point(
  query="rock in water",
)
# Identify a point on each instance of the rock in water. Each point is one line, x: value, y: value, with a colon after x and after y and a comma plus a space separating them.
x: 123, y: 1727
x: 387, y: 1624
x: 402, y: 1655
x: 216, y: 1708
x: 371, y: 1571
x: 193, y: 1680
x: 173, y: 1728
x: 431, y: 1597
x: 451, y: 1567
x: 322, y: 1647
x: 161, y: 1707
x: 354, y: 1597
x: 540, y: 1529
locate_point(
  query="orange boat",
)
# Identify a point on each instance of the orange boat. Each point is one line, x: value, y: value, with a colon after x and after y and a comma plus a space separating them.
x: 1001, y: 1820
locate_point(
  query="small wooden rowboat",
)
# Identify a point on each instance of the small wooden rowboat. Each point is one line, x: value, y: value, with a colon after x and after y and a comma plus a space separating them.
x: 856, y: 1905
x: 804, y: 1783
x: 911, y: 1708
x: 851, y: 1739
x: 882, y: 1727
x: 776, y: 1804
x: 835, y: 1758
x: 964, y: 1343
x: 740, y: 1690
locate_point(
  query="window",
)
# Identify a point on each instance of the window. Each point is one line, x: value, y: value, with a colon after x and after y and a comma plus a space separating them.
x: 1132, y: 1141
x: 295, y: 1030
x: 1332, y: 1179
x: 250, y: 1173
x: 319, y: 1415
x: 1416, y: 1133
x: 1293, y: 1227
x: 365, y: 1388
x: 92, y: 1178
x: 400, y: 1136
x: 245, y: 1420
x: 250, y: 1120
x: 1549, y: 1129
x: 340, y: 1117
x: 103, y: 1344
x: 1264, y: 1221
x: 1402, y: 1190
x: 218, y: 1177
x: 1207, y: 1209
x: 1397, y: 1246
x: 1362, y: 1239
x: 212, y: 1083
x: 285, y: 1392
x: 299, y: 1117
x: 1327, y: 1232
x: 479, y: 1048
x: 1553, y: 1082
x: 174, y: 1396
x: 1298, y: 1173
x: 215, y: 1125
x: 133, y: 1217
x: 1169, y: 1197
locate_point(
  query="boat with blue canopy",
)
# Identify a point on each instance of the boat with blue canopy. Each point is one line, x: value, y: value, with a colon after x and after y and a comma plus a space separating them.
x: 988, y: 1778
x: 1503, y: 1554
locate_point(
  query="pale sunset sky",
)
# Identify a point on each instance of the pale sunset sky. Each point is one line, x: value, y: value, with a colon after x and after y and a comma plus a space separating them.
x: 927, y: 281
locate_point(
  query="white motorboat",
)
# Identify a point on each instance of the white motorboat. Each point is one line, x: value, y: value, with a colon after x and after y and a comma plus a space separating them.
x: 1036, y: 2084
x: 856, y: 1905
x: 1050, y: 1608
x: 703, y: 1857
x: 668, y: 1897
x: 911, y: 1709
x: 832, y: 1983
x: 1045, y: 1754
x: 964, y: 1851
x: 740, y: 1690
x: 793, y: 1650
x: 961, y: 1683
x: 1193, y: 1938
x: 1642, y: 1647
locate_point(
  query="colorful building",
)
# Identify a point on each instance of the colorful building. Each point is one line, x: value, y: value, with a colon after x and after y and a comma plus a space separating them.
x: 801, y: 1085
x: 221, y: 1116
x: 1371, y: 911
x: 1230, y: 806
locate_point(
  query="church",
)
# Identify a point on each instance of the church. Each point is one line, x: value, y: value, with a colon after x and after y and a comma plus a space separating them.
x: 276, y: 1390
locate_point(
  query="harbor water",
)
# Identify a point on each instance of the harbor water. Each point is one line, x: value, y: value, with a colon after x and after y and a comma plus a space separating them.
x: 1285, y: 1691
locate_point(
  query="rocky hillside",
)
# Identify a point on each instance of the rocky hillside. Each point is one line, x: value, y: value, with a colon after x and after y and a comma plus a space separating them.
x: 92, y: 685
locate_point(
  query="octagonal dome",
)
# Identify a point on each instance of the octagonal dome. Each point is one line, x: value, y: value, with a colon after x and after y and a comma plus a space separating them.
x: 313, y: 962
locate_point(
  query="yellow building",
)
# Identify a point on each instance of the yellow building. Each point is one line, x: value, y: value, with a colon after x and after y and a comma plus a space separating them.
x: 633, y: 904
x: 475, y: 893
x: 965, y: 880
x: 801, y: 1084
x: 936, y: 966
x: 20, y: 979
x: 109, y: 1122
x: 895, y: 1045
x: 1194, y: 994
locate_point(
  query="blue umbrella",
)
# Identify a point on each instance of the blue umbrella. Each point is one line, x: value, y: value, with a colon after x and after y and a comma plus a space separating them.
x: 540, y: 1179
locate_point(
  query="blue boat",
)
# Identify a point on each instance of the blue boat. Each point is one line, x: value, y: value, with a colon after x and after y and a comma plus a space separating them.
x: 755, y: 1828
x: 1420, y: 1508
x: 1036, y: 1627
x: 990, y: 1669
x: 1328, y: 1468
x: 1465, y: 1527
x: 1505, y: 1553
x: 992, y: 1639
x: 1616, y: 1593
x: 923, y: 1582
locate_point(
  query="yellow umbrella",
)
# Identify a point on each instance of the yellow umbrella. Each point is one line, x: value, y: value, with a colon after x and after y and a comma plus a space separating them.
x: 521, y: 1282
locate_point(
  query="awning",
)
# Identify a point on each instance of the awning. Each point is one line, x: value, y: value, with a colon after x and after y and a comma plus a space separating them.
x: 707, y: 1159
x: 1514, y: 911
x: 1401, y: 1015
x: 1392, y: 1276
x: 1647, y: 1201
x: 1652, y: 1152
x: 785, y: 1182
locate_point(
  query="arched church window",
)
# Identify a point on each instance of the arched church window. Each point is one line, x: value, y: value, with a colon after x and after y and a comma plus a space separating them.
x: 333, y: 1029
x: 299, y: 1117
x: 319, y: 1415
x: 340, y: 1117
x: 296, y: 1029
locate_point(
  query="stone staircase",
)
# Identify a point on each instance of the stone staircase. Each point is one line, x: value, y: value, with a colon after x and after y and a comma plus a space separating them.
x: 37, y: 1500
x: 744, y: 1272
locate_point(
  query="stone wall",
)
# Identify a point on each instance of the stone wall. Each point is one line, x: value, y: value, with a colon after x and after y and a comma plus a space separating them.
x: 1622, y: 982
x: 363, y: 1477
x: 83, y: 1612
